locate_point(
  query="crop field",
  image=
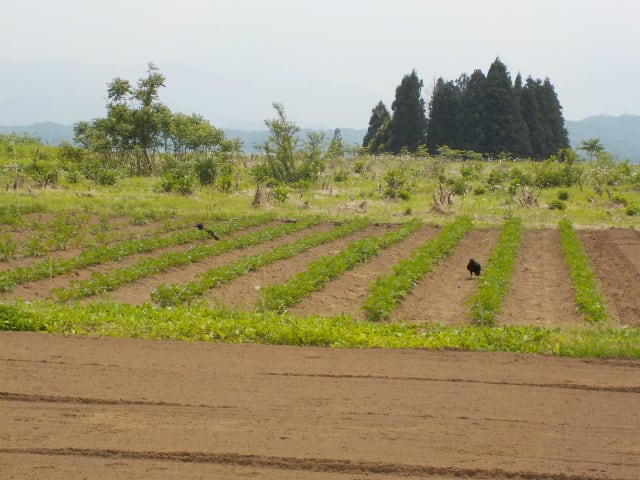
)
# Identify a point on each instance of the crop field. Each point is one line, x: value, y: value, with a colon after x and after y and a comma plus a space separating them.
x: 412, y: 272
x: 444, y: 393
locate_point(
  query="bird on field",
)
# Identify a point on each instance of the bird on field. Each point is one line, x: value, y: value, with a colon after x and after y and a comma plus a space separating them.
x: 211, y: 233
x: 474, y: 268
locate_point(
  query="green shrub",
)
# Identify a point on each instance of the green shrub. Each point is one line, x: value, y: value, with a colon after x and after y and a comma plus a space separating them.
x: 105, y: 176
x: 563, y: 195
x: 341, y: 175
x: 280, y: 192
x: 632, y: 210
x: 206, y: 169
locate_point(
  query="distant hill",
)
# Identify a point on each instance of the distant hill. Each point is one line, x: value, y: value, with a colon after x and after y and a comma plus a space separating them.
x: 619, y: 135
x: 251, y: 138
x: 50, y: 133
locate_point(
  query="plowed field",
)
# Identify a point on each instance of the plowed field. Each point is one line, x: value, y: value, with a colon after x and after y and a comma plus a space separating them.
x: 73, y: 408
x: 540, y: 291
x: 121, y: 408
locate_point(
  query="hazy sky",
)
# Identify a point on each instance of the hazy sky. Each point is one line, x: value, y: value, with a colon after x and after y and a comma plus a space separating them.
x: 328, y: 61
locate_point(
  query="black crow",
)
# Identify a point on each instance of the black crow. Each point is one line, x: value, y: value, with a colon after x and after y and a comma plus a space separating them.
x: 210, y: 232
x: 474, y: 267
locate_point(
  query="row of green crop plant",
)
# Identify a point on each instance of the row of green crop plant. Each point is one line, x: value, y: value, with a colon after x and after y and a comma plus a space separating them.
x: 388, y: 290
x: 197, y: 323
x: 587, y: 294
x: 319, y: 272
x: 493, y: 285
x: 175, y: 294
x: 11, y: 214
x: 40, y: 237
x: 57, y: 266
x: 102, y: 283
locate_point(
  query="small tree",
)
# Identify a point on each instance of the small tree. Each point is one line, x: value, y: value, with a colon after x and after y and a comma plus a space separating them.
x: 281, y: 146
x: 593, y: 147
x: 336, y: 148
x: 377, y: 135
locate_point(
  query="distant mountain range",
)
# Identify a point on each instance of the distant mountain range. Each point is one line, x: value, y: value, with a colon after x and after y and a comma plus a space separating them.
x: 619, y: 135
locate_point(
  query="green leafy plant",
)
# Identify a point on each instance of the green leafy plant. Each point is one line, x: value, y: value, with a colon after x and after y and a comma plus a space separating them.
x: 101, y: 283
x: 493, y: 285
x: 197, y: 323
x: 175, y: 294
x: 319, y: 272
x: 102, y: 253
x: 588, y: 298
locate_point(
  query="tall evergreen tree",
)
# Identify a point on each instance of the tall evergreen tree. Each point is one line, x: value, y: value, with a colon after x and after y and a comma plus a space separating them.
x: 532, y: 115
x: 408, y: 126
x: 505, y: 130
x: 443, y: 127
x: 376, y: 137
x: 472, y: 114
x: 552, y: 118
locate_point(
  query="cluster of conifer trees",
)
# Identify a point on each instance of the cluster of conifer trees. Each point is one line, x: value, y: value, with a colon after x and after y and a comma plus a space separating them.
x: 487, y: 114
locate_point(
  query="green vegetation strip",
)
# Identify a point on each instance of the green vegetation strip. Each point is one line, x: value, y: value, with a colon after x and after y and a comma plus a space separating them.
x: 387, y: 291
x: 104, y: 253
x: 175, y: 294
x: 493, y: 284
x: 109, y: 281
x: 588, y: 298
x: 197, y: 323
x: 280, y: 297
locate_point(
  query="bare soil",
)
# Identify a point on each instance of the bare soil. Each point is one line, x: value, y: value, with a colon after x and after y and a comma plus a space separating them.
x: 615, y: 259
x: 347, y: 293
x: 540, y: 291
x: 243, y: 292
x: 78, y: 407
x: 442, y: 294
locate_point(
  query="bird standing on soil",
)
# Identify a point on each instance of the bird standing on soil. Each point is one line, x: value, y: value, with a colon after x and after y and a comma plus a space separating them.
x: 474, y: 268
x: 211, y: 233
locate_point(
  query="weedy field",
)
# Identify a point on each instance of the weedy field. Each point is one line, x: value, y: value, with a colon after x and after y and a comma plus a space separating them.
x: 342, y: 265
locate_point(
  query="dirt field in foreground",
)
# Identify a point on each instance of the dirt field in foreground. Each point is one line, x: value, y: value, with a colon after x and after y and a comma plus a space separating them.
x: 73, y: 408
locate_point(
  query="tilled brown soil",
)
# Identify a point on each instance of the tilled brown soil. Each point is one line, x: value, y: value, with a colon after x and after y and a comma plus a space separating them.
x: 347, y: 293
x: 615, y: 259
x: 243, y: 292
x: 442, y: 294
x: 540, y: 292
x: 74, y: 408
